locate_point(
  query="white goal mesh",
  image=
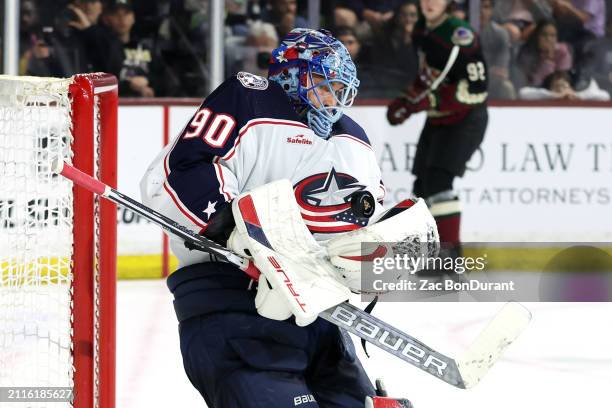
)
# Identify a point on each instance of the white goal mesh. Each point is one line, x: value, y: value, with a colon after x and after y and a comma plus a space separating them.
x: 35, y: 234
x: 38, y: 300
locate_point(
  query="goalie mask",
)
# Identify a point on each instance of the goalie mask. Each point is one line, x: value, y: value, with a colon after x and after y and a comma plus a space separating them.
x: 312, y: 67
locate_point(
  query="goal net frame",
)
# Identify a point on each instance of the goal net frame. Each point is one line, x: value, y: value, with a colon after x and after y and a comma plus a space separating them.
x: 94, y: 102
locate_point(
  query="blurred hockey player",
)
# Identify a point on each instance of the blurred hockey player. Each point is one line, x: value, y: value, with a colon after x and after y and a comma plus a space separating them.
x: 241, y: 346
x: 452, y: 88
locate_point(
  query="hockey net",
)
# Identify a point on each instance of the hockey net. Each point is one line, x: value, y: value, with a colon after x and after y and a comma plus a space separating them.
x: 57, y: 242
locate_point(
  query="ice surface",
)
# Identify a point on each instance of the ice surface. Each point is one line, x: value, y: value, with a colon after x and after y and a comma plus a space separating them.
x: 562, y: 360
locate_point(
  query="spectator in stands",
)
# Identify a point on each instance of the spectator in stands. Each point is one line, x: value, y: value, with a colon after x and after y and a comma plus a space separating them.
x: 344, y: 14
x: 254, y: 54
x: 580, y: 22
x: 543, y: 54
x: 609, y: 18
x: 348, y: 37
x: 29, y: 35
x: 393, y: 52
x: 149, y: 15
x: 519, y: 17
x: 558, y: 86
x: 497, y: 50
x: 577, y: 18
x: 183, y: 42
x: 236, y: 17
x: 283, y: 15
x: 597, y: 64
x: 458, y: 9
x: 369, y: 86
x: 86, y: 13
x: 364, y: 15
x: 60, y: 50
x: 114, y: 49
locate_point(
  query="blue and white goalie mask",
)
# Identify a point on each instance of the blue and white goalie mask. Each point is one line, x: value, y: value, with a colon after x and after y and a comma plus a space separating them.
x: 317, y: 73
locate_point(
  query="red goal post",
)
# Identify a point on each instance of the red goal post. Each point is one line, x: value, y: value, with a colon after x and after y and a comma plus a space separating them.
x: 58, y: 241
x: 94, y: 104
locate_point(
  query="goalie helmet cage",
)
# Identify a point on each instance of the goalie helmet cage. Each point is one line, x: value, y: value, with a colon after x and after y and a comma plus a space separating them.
x: 58, y: 241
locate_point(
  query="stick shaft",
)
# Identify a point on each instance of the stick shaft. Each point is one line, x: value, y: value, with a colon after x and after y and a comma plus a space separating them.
x: 436, y: 83
x: 196, y: 241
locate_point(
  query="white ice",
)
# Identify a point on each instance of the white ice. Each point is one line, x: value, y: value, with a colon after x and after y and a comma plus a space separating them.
x: 562, y: 360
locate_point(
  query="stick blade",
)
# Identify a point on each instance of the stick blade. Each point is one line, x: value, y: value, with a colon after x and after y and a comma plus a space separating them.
x: 488, y: 347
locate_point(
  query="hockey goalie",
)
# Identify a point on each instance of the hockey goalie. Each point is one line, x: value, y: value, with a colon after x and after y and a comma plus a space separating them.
x: 274, y: 170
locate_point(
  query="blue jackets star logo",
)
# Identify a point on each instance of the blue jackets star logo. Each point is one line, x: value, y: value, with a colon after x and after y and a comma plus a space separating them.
x: 324, y: 201
x: 336, y: 190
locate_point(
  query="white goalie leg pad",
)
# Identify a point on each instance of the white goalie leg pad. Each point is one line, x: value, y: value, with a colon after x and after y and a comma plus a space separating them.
x: 408, y: 228
x: 268, y: 221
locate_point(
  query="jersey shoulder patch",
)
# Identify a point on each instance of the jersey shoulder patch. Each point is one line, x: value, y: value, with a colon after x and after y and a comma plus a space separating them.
x: 252, y: 81
x: 462, y: 36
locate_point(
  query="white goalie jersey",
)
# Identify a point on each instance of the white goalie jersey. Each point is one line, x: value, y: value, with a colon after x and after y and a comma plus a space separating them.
x: 246, y: 134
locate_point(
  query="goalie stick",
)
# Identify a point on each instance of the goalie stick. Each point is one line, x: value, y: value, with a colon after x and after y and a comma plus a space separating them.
x: 464, y: 372
x: 194, y: 240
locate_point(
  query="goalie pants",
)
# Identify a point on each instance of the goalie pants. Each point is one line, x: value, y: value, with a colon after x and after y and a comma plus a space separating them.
x: 236, y: 358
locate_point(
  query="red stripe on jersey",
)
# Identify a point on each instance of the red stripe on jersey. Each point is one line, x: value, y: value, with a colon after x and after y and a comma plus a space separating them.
x: 247, y: 209
x: 319, y: 218
x: 353, y: 138
x: 179, y: 205
x: 182, y: 208
x: 342, y: 228
x: 221, y: 180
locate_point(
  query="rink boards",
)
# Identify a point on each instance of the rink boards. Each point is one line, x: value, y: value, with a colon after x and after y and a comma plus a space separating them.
x: 543, y: 174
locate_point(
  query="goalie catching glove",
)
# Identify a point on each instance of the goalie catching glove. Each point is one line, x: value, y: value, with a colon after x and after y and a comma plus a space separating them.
x: 406, y: 229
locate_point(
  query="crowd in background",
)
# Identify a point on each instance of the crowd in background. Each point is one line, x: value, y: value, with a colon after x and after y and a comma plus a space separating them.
x: 535, y: 49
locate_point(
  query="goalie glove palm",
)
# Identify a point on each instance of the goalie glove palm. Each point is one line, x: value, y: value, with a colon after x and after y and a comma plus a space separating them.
x: 408, y: 228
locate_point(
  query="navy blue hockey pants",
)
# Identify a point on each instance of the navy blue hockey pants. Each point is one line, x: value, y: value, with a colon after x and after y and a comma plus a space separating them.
x: 242, y: 360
